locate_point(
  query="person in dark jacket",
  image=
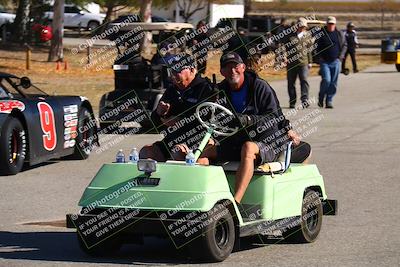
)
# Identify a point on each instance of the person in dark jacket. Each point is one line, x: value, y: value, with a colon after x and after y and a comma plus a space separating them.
x: 352, y: 43
x: 331, y: 49
x: 257, y: 108
x: 176, y: 104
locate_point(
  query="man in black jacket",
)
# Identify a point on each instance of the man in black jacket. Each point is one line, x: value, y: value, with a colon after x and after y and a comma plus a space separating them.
x: 176, y: 106
x: 331, y: 48
x: 257, y: 108
x: 352, y: 43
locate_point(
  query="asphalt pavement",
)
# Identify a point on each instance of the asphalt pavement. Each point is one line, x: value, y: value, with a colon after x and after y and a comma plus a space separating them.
x: 355, y: 145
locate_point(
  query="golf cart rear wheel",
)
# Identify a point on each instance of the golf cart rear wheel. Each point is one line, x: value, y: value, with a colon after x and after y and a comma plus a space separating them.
x: 86, y: 134
x: 218, y: 238
x: 13, y: 146
x: 398, y: 67
x: 105, y: 247
x: 310, y: 220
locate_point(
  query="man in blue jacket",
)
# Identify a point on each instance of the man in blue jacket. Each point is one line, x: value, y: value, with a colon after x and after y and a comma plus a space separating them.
x: 331, y: 48
x: 257, y: 108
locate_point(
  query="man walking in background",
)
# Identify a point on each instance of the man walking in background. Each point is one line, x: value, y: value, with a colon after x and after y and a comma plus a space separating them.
x: 352, y: 44
x: 299, y: 62
x: 331, y: 48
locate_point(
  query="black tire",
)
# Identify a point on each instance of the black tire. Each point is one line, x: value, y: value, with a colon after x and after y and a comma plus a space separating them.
x: 105, y: 127
x: 310, y: 220
x: 86, y: 134
x: 398, y: 67
x: 104, y: 248
x: 13, y: 146
x: 92, y: 25
x: 218, y: 238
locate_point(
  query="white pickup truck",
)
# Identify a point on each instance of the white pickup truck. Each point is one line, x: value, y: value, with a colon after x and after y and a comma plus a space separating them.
x: 77, y: 17
x: 5, y: 18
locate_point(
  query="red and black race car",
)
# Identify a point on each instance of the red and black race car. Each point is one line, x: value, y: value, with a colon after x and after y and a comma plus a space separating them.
x: 36, y: 127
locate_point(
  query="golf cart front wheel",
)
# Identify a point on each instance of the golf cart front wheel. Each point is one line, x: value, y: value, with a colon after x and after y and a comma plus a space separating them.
x: 310, y: 221
x: 218, y: 238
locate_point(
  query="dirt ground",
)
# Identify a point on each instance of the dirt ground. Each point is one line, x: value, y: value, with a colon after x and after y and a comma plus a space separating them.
x: 93, y: 83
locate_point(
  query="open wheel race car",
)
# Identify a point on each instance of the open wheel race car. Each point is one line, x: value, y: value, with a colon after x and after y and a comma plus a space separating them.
x: 193, y: 205
x: 36, y: 127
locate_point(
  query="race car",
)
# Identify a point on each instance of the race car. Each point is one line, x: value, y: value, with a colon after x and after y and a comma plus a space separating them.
x: 36, y: 127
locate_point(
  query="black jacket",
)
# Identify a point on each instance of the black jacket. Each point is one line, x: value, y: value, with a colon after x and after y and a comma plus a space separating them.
x: 181, y: 102
x: 324, y: 42
x: 263, y: 113
x: 351, y: 39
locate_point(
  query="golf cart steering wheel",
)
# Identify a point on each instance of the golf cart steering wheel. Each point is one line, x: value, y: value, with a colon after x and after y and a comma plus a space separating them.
x: 213, y: 125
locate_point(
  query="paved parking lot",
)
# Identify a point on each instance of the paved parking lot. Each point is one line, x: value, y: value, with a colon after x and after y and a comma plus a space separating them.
x: 356, y: 147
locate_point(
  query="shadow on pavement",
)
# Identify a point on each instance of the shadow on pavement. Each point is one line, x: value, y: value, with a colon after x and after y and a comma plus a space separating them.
x: 63, y: 246
x: 27, y: 167
x: 380, y: 71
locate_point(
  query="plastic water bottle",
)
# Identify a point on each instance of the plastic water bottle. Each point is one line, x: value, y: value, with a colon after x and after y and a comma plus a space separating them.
x: 120, y: 157
x: 134, y: 155
x: 190, y: 160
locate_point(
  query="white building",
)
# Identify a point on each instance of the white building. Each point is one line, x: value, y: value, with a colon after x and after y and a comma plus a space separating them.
x: 210, y: 13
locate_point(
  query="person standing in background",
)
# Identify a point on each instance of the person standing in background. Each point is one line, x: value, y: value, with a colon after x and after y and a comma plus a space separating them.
x: 352, y: 44
x: 331, y: 47
x: 299, y: 62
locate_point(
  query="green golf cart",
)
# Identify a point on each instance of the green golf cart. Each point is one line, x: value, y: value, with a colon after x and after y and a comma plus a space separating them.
x: 193, y: 205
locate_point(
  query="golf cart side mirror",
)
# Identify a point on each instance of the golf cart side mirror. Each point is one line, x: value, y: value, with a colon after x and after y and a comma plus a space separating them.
x: 25, y: 82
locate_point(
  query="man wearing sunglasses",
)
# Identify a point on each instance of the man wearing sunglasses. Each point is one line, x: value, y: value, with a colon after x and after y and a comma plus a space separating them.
x: 178, y: 101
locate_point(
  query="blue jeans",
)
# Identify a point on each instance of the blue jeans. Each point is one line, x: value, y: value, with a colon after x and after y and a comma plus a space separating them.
x: 330, y: 74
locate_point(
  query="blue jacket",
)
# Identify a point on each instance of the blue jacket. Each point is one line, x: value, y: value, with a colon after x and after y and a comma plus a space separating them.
x: 263, y: 113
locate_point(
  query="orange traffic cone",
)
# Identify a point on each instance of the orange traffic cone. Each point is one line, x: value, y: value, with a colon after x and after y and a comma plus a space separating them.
x: 58, y: 65
x: 65, y: 65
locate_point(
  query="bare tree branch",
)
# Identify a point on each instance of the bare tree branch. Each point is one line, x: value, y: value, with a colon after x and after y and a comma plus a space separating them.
x: 189, y: 13
x: 120, y: 8
x: 179, y: 4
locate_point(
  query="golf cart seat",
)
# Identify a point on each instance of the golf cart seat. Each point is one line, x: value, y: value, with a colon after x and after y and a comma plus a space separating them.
x: 279, y: 166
